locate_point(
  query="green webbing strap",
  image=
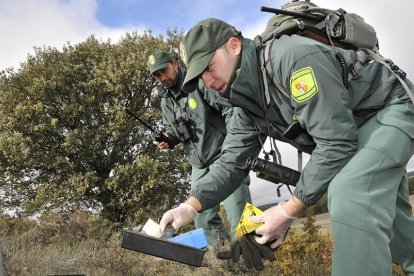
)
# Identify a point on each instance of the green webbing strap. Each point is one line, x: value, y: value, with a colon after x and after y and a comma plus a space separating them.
x: 300, y: 161
x: 259, y: 49
x: 268, y: 65
x: 264, y: 88
x: 371, y: 55
x: 354, y: 69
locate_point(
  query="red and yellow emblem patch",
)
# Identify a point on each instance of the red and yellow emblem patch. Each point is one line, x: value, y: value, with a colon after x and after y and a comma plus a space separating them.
x: 303, y: 84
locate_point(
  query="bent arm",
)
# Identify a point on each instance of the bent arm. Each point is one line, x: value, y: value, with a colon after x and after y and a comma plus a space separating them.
x: 327, y: 117
x: 224, y: 178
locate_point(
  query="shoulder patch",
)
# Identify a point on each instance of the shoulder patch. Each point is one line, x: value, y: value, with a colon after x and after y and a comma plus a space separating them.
x: 151, y: 59
x: 192, y: 103
x: 303, y: 84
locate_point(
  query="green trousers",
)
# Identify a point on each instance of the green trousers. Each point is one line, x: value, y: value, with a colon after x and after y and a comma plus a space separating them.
x: 210, y: 219
x: 372, y: 219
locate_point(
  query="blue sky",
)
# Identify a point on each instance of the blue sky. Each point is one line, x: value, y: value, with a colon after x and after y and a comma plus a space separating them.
x: 25, y: 24
x: 28, y: 23
x: 160, y: 15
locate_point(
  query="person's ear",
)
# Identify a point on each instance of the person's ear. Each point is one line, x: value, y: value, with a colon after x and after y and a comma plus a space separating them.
x: 234, y: 45
x: 174, y: 63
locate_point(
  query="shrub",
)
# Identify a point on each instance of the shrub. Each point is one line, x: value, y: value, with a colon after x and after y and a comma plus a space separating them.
x: 305, y: 251
x: 83, y: 243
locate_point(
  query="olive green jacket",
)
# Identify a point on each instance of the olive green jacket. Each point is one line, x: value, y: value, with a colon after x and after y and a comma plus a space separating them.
x: 206, y: 113
x: 327, y: 111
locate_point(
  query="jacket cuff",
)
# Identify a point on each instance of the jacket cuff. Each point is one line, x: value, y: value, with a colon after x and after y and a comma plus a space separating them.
x: 197, y: 194
x: 173, y: 141
x: 299, y: 195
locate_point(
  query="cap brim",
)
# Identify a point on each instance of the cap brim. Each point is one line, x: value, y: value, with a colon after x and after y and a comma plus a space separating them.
x: 159, y: 67
x: 194, y: 70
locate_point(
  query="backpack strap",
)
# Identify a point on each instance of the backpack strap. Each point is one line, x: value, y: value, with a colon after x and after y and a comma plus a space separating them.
x: 300, y: 161
x: 364, y: 55
x: 269, y: 69
x: 262, y: 71
x: 264, y: 89
x: 356, y: 67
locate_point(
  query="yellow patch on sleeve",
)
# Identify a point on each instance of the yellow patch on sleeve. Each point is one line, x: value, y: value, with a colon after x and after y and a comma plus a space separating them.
x: 151, y: 59
x: 303, y: 84
x: 192, y: 103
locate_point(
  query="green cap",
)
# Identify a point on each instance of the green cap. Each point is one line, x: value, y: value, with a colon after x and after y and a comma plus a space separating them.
x: 159, y: 60
x: 200, y: 44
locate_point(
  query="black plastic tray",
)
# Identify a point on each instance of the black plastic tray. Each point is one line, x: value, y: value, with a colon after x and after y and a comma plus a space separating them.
x: 162, y: 248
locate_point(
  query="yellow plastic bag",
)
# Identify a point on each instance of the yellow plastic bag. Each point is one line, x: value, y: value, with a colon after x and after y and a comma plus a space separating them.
x: 245, y: 225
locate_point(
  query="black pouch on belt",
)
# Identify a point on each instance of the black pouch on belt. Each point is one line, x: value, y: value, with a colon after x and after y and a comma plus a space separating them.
x: 293, y: 130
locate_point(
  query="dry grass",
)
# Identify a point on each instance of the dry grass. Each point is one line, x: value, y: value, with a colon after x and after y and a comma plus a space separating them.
x: 83, y: 245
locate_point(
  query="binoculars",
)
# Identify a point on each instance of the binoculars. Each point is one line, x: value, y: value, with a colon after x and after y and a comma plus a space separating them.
x: 273, y: 172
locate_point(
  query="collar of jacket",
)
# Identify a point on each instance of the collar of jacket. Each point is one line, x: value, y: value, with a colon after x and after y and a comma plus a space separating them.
x: 245, y: 90
x: 176, y: 90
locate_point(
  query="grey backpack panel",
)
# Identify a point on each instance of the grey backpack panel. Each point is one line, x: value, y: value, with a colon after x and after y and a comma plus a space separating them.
x: 348, y: 28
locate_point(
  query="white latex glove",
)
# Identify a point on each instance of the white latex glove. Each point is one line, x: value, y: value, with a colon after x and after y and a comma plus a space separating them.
x: 179, y: 216
x: 276, y: 224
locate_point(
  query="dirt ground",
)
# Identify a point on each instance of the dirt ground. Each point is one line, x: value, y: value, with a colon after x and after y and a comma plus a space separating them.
x: 324, y: 220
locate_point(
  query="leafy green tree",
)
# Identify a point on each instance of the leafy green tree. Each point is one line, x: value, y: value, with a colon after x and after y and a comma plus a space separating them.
x: 66, y: 142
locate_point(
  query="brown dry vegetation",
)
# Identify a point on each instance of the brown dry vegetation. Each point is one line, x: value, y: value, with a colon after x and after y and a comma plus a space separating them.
x: 85, y: 244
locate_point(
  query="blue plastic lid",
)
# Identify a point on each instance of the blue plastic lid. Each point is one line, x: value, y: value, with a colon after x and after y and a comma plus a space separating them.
x: 195, y: 238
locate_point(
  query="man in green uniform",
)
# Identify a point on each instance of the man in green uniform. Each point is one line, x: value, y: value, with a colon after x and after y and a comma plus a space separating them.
x: 360, y: 139
x: 197, y: 121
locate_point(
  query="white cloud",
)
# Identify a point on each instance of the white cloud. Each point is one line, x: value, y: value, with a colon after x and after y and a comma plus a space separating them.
x: 28, y: 23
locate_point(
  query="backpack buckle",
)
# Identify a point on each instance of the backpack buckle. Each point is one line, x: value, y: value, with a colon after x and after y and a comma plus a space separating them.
x: 258, y: 42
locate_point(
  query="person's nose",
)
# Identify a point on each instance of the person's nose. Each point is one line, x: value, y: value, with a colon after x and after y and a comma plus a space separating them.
x: 162, y: 78
x: 208, y: 81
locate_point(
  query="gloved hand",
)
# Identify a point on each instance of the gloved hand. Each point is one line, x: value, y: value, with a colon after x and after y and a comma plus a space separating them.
x: 276, y: 225
x: 163, y: 144
x: 179, y: 216
x: 252, y: 252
